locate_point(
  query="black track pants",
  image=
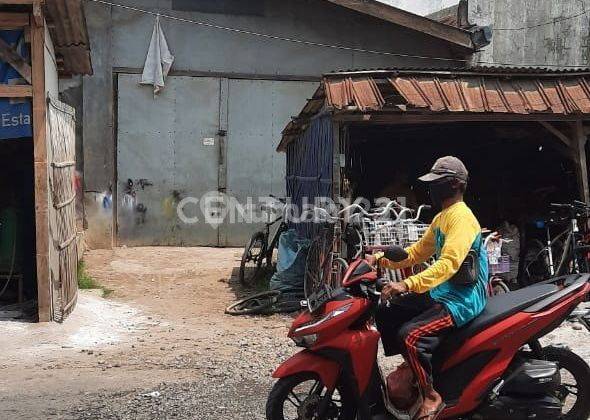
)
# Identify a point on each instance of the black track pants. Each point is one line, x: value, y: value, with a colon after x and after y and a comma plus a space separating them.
x: 414, y: 326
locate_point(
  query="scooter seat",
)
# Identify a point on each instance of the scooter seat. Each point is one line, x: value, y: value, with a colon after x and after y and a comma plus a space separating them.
x: 498, y: 308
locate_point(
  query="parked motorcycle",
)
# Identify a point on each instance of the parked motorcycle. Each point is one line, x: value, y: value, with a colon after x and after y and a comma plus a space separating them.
x: 493, y: 368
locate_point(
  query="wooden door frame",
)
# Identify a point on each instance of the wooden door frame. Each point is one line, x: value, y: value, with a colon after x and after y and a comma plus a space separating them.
x: 33, y: 23
x: 44, y: 289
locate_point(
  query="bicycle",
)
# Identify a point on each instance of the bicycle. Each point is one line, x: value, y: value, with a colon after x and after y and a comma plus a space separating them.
x: 259, y: 251
x: 543, y: 264
x: 402, y: 231
x: 325, y: 267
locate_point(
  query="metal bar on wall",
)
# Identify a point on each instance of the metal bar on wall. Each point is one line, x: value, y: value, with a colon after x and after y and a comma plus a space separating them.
x: 222, y: 144
x: 336, y: 161
x: 115, y: 183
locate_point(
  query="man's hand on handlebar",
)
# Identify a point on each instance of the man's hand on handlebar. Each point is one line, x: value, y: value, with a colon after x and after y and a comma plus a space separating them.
x: 372, y: 260
x: 376, y: 260
x: 392, y: 289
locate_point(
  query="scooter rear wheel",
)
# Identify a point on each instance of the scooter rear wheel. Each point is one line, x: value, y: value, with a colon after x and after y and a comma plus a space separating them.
x: 575, y: 376
x: 298, y: 397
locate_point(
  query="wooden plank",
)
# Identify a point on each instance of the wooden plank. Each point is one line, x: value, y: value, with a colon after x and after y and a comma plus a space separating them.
x: 409, y: 20
x: 580, y: 158
x: 564, y: 139
x: 9, y: 54
x: 16, y: 91
x: 37, y: 13
x: 11, y: 20
x: 25, y: 2
x: 44, y: 290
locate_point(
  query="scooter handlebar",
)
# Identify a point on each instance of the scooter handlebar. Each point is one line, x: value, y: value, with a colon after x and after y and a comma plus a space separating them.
x: 380, y: 283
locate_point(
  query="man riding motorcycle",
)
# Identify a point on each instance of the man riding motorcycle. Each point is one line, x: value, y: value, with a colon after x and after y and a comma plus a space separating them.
x: 448, y: 294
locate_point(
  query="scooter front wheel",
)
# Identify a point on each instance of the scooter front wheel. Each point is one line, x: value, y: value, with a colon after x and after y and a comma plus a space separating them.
x: 303, y: 395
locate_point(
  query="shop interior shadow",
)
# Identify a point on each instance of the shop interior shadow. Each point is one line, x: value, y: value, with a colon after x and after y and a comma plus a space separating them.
x: 18, y: 285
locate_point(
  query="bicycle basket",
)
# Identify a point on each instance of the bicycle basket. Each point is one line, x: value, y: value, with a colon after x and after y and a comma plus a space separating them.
x: 501, y: 265
x: 390, y: 232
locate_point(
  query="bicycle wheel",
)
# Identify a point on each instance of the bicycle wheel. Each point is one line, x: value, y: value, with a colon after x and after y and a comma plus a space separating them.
x: 252, y: 259
x: 498, y: 287
x: 260, y: 303
x: 318, y: 266
x: 536, y: 263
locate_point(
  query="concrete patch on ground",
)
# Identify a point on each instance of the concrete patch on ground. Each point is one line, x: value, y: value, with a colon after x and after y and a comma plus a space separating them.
x: 96, y: 323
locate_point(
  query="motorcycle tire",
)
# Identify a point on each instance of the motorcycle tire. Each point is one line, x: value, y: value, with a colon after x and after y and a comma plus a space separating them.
x: 579, y: 369
x: 281, y: 391
x: 258, y: 304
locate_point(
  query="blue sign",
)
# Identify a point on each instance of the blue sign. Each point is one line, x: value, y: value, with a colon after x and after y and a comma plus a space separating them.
x: 15, y: 113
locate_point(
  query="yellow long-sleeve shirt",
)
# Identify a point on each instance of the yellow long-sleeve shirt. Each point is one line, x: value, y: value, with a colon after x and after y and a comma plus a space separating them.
x: 453, y: 232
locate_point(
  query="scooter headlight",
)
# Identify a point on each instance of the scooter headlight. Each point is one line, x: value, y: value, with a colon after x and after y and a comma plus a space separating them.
x: 305, y: 340
x: 330, y: 315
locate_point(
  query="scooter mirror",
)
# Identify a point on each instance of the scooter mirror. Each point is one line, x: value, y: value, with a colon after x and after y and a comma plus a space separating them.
x: 395, y: 253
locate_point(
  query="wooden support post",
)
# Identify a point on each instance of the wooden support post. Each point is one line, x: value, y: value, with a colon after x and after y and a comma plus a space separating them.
x: 579, y: 151
x: 562, y: 137
x: 38, y: 13
x: 44, y: 295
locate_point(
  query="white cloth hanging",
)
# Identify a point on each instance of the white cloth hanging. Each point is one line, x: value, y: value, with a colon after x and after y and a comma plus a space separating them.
x: 158, y: 61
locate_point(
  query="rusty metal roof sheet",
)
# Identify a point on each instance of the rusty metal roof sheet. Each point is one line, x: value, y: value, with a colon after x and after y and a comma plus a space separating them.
x: 69, y: 35
x: 474, y: 90
x: 362, y: 92
x: 465, y: 94
x: 479, y: 70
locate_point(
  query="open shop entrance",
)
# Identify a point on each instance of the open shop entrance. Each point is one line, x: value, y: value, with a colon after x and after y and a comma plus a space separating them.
x: 18, y: 284
x: 516, y: 170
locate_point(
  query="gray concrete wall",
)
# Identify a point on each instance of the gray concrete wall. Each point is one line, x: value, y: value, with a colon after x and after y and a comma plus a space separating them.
x: 520, y: 36
x: 51, y: 81
x: 206, y: 49
x: 120, y: 39
x: 98, y: 139
x: 71, y: 92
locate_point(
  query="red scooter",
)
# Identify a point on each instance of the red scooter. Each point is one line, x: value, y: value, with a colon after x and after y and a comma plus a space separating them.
x: 493, y: 368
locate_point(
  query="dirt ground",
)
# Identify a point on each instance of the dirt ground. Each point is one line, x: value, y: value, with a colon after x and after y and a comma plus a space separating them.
x: 158, y: 347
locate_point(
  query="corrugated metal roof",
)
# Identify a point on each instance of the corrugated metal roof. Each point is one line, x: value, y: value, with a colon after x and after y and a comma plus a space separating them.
x: 474, y: 91
x: 464, y: 94
x: 69, y: 35
x: 362, y: 91
x: 456, y: 15
x: 506, y: 71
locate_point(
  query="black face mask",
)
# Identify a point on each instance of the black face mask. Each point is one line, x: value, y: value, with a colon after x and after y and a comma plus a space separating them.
x: 441, y: 190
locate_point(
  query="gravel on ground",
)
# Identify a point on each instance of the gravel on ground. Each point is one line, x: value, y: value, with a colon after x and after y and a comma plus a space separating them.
x: 159, y: 347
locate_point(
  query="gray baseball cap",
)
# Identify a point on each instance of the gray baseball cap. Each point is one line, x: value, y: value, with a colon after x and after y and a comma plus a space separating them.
x: 448, y: 166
